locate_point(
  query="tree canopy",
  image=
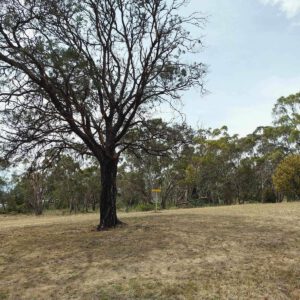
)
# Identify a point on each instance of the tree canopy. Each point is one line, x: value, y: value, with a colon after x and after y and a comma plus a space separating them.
x: 287, y: 177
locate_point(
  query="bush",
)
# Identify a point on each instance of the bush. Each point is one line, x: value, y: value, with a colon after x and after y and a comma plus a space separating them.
x: 199, y: 202
x: 269, y: 196
x: 144, y: 207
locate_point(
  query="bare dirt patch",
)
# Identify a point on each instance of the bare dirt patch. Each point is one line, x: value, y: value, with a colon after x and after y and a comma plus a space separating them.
x: 239, y: 252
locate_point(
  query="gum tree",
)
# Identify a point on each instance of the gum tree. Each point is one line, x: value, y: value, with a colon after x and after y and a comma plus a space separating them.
x: 81, y: 75
x: 286, y: 177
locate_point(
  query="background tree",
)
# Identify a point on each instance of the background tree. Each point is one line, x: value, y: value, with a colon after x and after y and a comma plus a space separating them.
x: 37, y: 182
x: 89, y: 191
x: 143, y: 172
x: 62, y: 183
x: 80, y: 75
x: 287, y: 177
x: 287, y: 122
x: 3, y: 186
x: 20, y: 194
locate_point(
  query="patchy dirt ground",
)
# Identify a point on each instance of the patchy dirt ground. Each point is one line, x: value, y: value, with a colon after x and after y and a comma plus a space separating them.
x: 238, y: 252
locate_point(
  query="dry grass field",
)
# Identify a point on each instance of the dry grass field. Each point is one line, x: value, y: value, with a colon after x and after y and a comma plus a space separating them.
x: 238, y: 252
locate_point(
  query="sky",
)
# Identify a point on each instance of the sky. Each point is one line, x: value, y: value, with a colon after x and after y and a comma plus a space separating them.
x: 252, y: 53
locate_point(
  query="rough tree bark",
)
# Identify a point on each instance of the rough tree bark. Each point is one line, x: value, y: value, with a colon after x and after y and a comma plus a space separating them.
x: 108, y: 197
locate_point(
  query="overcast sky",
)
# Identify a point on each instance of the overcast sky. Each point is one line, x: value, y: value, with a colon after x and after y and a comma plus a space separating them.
x: 252, y: 48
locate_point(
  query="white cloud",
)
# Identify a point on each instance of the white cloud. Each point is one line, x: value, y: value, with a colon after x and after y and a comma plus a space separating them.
x: 290, y: 7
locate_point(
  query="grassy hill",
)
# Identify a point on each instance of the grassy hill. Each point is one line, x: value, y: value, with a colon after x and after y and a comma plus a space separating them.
x: 238, y: 252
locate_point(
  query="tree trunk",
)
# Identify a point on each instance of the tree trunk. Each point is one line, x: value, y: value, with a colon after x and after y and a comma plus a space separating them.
x: 108, y: 210
x: 93, y: 203
x: 163, y: 204
x: 3, y: 204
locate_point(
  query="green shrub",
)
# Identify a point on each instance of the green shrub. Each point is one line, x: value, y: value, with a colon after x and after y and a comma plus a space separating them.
x: 144, y: 207
x: 269, y: 196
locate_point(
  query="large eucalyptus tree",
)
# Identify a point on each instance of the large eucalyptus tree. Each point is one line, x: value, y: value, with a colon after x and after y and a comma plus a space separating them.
x: 81, y: 75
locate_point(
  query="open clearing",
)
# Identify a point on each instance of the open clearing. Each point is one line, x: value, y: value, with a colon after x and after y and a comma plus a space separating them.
x: 238, y: 252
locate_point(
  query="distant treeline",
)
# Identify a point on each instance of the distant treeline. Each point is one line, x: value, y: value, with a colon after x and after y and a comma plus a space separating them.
x: 200, y: 167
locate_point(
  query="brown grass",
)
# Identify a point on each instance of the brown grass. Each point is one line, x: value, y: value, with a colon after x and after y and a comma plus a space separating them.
x: 239, y: 252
